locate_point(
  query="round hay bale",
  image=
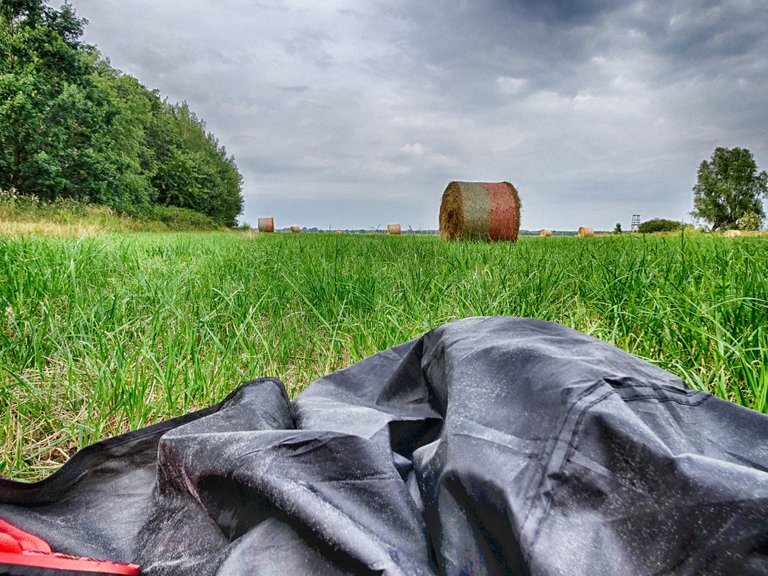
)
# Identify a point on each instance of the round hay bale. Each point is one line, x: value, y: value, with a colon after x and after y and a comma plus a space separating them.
x: 393, y: 229
x: 295, y: 229
x: 732, y: 233
x: 338, y: 231
x: 266, y: 224
x: 480, y: 210
x: 545, y: 233
x: 585, y: 232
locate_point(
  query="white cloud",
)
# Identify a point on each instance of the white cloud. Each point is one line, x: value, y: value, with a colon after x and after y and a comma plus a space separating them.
x: 511, y: 86
x: 414, y: 149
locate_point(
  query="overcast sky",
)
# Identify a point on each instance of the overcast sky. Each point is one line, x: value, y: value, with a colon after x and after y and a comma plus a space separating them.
x: 355, y: 114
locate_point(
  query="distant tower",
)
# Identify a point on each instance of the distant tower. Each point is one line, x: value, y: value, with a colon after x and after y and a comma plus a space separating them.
x: 635, y: 222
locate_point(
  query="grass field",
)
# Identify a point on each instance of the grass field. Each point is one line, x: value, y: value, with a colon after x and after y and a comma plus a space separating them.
x: 106, y: 333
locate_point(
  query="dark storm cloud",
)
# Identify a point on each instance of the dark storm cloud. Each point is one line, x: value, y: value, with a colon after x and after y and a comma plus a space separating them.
x: 595, y: 110
x: 695, y: 32
x: 557, y: 12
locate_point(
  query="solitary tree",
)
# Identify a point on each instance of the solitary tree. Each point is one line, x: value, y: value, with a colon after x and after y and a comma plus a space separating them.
x: 728, y: 187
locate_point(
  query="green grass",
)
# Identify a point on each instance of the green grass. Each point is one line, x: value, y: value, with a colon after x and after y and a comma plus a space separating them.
x: 103, y: 334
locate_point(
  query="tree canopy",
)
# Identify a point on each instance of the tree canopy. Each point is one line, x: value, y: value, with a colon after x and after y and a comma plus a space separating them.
x: 729, y: 188
x: 71, y: 126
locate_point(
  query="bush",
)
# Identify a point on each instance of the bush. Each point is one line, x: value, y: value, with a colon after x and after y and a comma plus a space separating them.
x: 12, y: 203
x: 16, y: 207
x: 750, y: 221
x: 660, y: 225
x: 180, y: 218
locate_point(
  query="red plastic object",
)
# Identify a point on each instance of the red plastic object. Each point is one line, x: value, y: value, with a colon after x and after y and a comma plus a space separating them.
x: 20, y: 548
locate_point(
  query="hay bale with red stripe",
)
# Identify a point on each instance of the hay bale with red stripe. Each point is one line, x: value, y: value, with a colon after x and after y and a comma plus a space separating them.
x: 266, y: 224
x: 481, y: 211
x: 393, y: 229
x: 585, y: 232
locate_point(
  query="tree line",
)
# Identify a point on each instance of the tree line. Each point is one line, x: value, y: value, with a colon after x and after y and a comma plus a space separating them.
x: 71, y: 126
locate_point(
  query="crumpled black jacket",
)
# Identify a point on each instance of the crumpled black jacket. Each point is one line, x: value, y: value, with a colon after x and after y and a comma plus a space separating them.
x: 487, y: 446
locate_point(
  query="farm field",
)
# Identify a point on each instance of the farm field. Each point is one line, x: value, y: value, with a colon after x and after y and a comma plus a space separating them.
x: 103, y: 334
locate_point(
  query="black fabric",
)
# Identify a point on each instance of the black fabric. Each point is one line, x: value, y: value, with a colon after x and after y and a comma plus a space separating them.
x: 487, y: 446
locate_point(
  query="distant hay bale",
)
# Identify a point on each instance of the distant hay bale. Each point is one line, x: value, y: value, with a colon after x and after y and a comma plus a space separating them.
x: 480, y: 210
x: 338, y: 231
x: 295, y: 229
x: 732, y: 233
x: 585, y: 232
x: 393, y: 229
x: 266, y: 224
x: 544, y: 232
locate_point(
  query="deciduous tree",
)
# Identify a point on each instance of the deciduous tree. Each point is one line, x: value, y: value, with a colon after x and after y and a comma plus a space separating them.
x: 729, y: 185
